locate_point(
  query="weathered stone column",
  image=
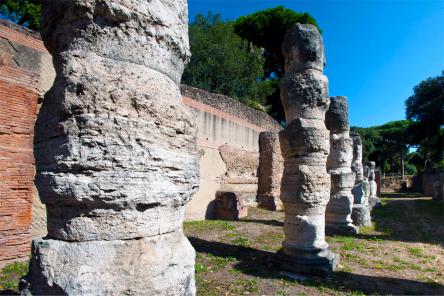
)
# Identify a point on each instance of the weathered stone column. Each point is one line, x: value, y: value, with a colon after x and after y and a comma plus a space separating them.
x: 305, y: 146
x: 361, y: 190
x: 369, y: 174
x: 271, y: 165
x: 339, y: 208
x: 115, y: 151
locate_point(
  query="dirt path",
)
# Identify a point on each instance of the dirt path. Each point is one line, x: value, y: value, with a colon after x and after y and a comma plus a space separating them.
x: 401, y: 254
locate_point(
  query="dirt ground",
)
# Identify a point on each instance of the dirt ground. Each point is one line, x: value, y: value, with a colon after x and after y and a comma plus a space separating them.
x: 401, y: 254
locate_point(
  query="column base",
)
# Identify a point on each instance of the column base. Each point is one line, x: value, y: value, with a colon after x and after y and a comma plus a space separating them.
x: 321, y: 264
x: 361, y: 215
x: 374, y: 202
x: 159, y: 265
x: 342, y: 229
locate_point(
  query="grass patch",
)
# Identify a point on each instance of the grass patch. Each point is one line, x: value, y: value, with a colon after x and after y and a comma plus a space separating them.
x: 207, y: 226
x: 243, y: 287
x: 10, y: 275
x: 416, y: 252
x: 349, y: 243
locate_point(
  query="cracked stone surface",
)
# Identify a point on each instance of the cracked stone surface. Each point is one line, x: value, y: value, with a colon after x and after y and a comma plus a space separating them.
x: 305, y: 146
x: 361, y: 189
x: 339, y: 208
x: 115, y: 151
x: 271, y: 165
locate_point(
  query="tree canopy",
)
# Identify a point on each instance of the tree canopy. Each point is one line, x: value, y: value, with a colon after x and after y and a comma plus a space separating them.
x: 23, y: 12
x: 426, y: 109
x: 388, y: 145
x: 222, y: 62
x: 266, y: 29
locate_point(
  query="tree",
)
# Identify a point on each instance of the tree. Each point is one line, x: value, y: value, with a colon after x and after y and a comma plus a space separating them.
x: 426, y: 109
x: 267, y: 29
x: 387, y: 145
x: 22, y: 12
x: 222, y: 62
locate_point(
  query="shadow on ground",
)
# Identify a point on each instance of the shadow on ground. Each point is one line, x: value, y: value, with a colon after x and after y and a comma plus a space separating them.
x: 258, y: 263
x: 409, y: 220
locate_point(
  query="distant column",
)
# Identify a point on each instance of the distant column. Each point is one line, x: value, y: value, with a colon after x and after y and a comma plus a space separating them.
x: 271, y: 165
x: 305, y: 146
x: 361, y: 190
x: 339, y: 208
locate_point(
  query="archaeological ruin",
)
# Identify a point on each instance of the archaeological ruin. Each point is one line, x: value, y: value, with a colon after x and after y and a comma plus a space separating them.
x: 115, y: 152
x: 270, y: 171
x: 339, y: 209
x: 361, y: 190
x: 305, y: 145
x: 104, y: 154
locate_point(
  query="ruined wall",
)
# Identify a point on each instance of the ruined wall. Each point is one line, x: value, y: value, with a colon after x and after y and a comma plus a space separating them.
x: 228, y: 148
x: 228, y: 134
x: 22, y: 80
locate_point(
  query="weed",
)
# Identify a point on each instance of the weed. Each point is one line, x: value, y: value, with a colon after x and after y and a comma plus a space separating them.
x: 415, y: 252
x: 207, y: 226
x: 11, y: 274
x: 282, y: 293
x: 242, y: 286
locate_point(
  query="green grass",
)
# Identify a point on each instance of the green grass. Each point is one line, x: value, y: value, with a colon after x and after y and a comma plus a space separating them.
x: 416, y: 252
x: 11, y: 274
x: 348, y: 243
x: 207, y: 225
x: 241, y: 286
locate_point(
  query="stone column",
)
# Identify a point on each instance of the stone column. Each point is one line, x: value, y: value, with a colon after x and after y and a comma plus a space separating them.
x: 369, y: 174
x: 339, y: 208
x: 361, y: 190
x: 270, y: 170
x: 115, y: 151
x: 305, y: 146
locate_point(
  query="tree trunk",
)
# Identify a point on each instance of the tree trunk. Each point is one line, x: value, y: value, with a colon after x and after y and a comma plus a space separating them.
x: 402, y: 165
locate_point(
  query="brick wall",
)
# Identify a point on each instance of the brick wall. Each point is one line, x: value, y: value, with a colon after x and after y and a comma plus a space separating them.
x: 21, y: 56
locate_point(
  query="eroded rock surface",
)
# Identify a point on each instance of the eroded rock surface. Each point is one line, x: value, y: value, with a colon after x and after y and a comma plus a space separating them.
x: 115, y: 151
x: 271, y: 165
x: 305, y: 146
x: 339, y: 162
x: 361, y: 190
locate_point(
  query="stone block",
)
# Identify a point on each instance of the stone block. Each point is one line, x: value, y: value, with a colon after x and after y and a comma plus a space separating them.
x: 230, y: 206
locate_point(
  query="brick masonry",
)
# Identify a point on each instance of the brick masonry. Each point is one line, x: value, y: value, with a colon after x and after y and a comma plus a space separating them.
x: 22, y: 55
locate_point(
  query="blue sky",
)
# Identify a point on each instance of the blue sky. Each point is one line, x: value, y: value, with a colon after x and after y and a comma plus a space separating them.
x: 377, y: 51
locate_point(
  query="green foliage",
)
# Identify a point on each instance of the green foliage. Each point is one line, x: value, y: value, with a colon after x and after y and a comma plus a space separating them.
x: 266, y: 29
x: 426, y: 109
x: 387, y: 145
x: 10, y: 275
x: 223, y: 63
x: 22, y: 12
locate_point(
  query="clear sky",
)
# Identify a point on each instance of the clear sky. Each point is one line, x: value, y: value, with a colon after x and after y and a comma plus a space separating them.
x: 377, y: 51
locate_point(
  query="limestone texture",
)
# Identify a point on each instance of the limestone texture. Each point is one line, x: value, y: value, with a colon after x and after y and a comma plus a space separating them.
x: 305, y: 146
x: 357, y: 157
x: 271, y: 166
x: 115, y: 151
x: 369, y: 174
x: 339, y: 208
x: 361, y: 190
x: 361, y: 215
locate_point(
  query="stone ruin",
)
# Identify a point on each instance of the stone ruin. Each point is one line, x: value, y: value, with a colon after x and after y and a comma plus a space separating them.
x: 369, y: 174
x: 339, y: 209
x: 271, y: 165
x: 115, y: 152
x: 305, y: 146
x: 361, y: 190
